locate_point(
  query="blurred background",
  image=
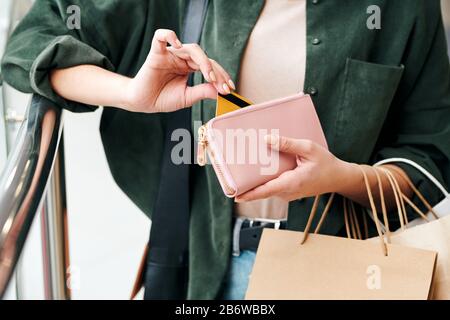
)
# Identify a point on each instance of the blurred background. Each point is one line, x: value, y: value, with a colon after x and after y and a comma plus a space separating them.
x: 106, y: 232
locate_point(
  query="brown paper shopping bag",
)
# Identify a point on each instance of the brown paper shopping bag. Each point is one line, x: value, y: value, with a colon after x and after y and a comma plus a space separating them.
x: 292, y: 265
x: 433, y: 235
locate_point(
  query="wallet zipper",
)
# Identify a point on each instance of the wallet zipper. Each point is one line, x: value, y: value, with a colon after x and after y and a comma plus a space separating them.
x: 203, y: 146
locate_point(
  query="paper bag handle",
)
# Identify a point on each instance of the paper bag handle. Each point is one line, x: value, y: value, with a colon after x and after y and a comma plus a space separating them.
x: 326, y: 210
x: 415, y: 190
x: 425, y: 172
x: 415, y: 165
x: 400, y: 197
x: 352, y: 225
x: 391, y: 177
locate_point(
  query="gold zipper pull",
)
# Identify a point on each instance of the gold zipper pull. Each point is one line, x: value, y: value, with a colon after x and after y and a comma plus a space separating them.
x: 202, y: 144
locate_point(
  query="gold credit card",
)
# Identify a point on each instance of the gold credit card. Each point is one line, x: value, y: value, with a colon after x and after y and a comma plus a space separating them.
x: 230, y: 102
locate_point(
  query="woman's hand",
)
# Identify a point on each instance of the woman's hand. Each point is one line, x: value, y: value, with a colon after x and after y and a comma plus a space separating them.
x: 161, y: 84
x: 318, y: 172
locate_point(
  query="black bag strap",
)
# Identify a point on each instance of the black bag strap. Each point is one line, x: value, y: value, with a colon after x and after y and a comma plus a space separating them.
x: 194, y: 21
x: 166, y: 275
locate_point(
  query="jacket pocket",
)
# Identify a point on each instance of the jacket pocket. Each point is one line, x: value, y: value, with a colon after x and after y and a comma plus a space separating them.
x: 367, y: 94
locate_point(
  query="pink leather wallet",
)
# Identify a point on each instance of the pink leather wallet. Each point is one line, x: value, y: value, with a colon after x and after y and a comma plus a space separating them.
x: 236, y: 147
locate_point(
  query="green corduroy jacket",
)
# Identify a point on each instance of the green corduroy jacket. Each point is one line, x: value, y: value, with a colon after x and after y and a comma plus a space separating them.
x: 379, y: 93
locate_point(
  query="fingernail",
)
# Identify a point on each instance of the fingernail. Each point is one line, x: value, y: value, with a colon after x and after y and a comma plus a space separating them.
x: 212, y: 76
x: 239, y: 200
x: 231, y: 84
x: 178, y: 43
x: 226, y: 88
x: 272, y: 140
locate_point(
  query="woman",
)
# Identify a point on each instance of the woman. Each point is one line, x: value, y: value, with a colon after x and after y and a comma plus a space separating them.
x: 379, y: 92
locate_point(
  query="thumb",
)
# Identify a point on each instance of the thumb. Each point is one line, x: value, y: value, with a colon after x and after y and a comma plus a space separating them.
x: 200, y: 92
x: 299, y: 147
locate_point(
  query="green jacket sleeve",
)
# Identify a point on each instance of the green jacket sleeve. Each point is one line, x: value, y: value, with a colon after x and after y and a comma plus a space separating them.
x: 44, y: 41
x: 418, y: 127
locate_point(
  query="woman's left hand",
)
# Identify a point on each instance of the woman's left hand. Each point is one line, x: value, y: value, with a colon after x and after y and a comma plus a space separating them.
x: 318, y: 172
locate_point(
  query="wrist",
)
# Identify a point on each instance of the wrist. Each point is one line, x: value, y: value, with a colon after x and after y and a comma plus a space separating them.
x: 126, y: 94
x: 348, y: 176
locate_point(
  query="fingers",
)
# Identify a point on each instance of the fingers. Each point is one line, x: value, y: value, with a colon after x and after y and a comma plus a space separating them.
x: 270, y: 189
x: 223, y: 78
x: 197, y: 60
x: 199, y: 57
x: 161, y: 38
x: 200, y: 92
x: 299, y: 147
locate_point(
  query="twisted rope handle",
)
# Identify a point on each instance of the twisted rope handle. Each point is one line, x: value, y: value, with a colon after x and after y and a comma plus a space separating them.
x: 403, y: 222
x: 328, y: 206
x: 400, y: 200
x: 415, y: 190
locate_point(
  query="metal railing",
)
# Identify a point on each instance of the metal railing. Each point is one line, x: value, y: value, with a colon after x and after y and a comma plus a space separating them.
x: 33, y: 180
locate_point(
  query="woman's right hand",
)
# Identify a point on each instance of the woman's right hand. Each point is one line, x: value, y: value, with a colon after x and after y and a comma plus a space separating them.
x: 161, y: 83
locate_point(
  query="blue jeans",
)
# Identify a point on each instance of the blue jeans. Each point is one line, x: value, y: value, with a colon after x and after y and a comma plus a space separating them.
x: 236, y: 281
